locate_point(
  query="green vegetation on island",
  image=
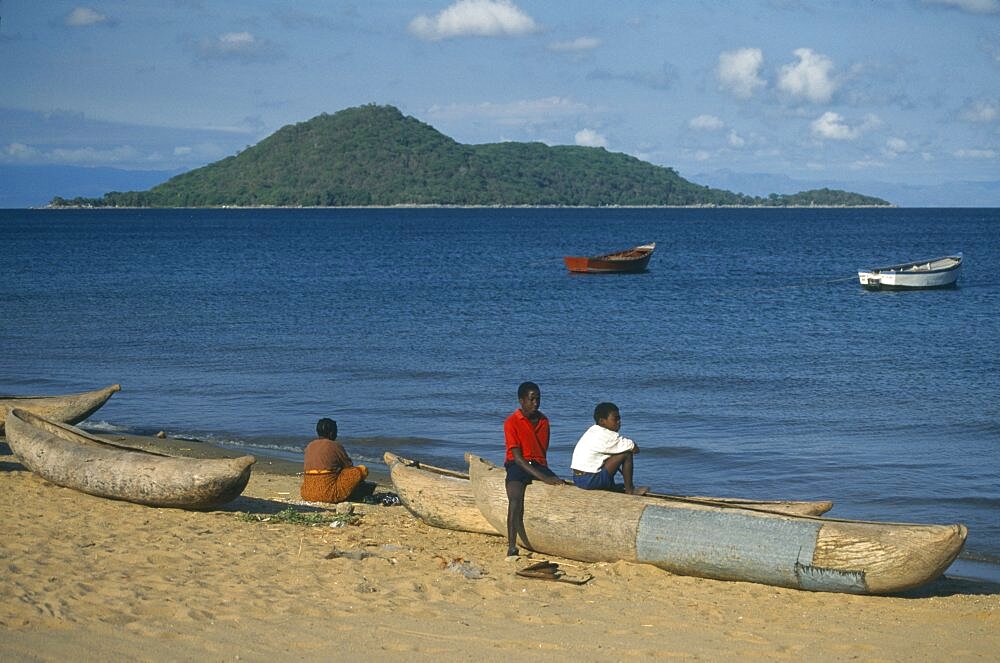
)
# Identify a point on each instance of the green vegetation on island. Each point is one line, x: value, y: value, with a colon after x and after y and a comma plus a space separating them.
x: 375, y: 156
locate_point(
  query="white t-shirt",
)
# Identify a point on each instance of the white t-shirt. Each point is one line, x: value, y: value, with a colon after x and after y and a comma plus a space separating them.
x: 595, y: 446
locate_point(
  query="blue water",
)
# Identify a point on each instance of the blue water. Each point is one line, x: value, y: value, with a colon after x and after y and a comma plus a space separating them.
x: 747, y: 361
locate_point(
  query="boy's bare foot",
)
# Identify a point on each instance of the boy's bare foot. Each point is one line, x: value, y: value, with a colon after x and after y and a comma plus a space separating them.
x: 641, y: 490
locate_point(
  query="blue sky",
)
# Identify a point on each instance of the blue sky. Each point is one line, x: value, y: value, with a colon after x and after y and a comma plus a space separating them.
x: 903, y: 91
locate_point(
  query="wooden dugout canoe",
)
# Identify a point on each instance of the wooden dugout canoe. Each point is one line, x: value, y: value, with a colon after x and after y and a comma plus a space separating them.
x: 68, y: 408
x: 439, y: 497
x: 443, y: 498
x: 69, y: 457
x: 723, y: 542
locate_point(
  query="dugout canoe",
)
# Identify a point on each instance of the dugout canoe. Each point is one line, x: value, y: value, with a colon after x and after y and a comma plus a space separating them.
x: 723, y: 542
x: 443, y: 498
x: 69, y: 457
x: 439, y: 497
x: 67, y: 408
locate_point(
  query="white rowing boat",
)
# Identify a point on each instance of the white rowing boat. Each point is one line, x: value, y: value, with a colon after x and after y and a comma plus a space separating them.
x: 917, y: 275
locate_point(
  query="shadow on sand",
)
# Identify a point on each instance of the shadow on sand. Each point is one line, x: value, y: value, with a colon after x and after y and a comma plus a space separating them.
x: 953, y: 586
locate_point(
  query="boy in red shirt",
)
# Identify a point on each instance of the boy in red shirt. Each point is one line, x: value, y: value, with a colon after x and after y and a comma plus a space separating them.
x: 526, y: 434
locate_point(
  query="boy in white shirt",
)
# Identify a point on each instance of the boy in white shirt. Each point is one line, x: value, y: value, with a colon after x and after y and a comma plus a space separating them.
x: 601, y: 453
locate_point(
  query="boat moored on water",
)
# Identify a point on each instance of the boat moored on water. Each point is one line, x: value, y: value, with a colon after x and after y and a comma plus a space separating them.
x: 621, y: 262
x: 917, y: 275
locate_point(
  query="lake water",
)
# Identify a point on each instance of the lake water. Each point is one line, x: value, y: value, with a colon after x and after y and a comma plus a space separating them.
x: 747, y: 361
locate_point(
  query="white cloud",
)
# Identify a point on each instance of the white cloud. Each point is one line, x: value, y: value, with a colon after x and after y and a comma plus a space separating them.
x: 82, y: 17
x: 832, y: 126
x: 739, y: 71
x: 982, y: 111
x: 867, y: 164
x: 971, y: 6
x: 236, y: 46
x: 479, y: 18
x: 590, y: 138
x: 574, y: 45
x: 200, y: 152
x: 894, y: 147
x: 975, y: 154
x: 19, y: 152
x: 706, y: 123
x: 232, y: 43
x: 735, y: 140
x: 90, y: 155
x: 809, y: 78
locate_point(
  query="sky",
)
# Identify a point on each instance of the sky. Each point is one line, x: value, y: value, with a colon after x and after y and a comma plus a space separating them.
x: 902, y: 91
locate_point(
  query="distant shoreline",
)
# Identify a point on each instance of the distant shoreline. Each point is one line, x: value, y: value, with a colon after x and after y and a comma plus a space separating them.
x: 429, y: 206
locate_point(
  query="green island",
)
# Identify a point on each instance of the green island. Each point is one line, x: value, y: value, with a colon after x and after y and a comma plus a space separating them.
x: 375, y: 156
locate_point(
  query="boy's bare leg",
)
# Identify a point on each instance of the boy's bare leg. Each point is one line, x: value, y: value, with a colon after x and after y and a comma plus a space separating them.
x: 624, y: 462
x: 515, y: 514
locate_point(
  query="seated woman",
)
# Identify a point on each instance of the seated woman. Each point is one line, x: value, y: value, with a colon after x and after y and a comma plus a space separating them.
x: 330, y: 476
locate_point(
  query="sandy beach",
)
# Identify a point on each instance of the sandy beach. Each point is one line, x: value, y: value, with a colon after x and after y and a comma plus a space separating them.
x: 89, y: 578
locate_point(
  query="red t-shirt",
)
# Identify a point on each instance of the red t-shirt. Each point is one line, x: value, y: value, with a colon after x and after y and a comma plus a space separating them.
x: 531, y: 439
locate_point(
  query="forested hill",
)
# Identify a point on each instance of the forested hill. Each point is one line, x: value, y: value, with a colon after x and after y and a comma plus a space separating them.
x: 374, y: 155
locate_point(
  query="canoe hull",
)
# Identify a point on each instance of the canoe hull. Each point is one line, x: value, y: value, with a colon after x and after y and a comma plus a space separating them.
x: 67, y: 409
x: 69, y: 457
x: 724, y: 543
x: 438, y: 497
x: 919, y: 275
x: 443, y: 498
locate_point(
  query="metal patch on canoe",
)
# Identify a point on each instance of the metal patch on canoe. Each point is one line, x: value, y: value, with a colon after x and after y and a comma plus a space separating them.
x: 831, y: 580
x: 728, y: 544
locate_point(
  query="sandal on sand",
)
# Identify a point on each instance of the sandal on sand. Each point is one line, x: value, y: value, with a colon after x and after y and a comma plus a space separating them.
x: 550, y: 571
x: 539, y: 570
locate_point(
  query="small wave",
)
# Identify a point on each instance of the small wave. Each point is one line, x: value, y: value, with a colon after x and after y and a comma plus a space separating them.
x: 692, y: 382
x: 389, y: 442
x: 680, y: 453
x: 105, y: 427
x: 978, y: 501
x: 979, y: 556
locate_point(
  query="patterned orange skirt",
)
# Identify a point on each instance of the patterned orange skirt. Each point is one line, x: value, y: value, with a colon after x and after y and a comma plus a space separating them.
x: 330, y: 487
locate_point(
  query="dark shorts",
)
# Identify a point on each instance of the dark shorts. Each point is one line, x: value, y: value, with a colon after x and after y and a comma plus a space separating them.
x: 599, y: 480
x: 517, y: 473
